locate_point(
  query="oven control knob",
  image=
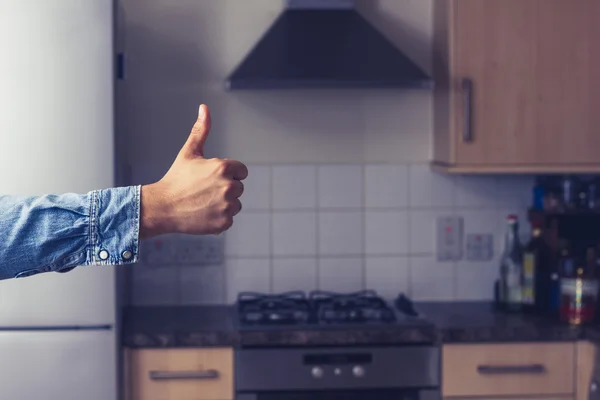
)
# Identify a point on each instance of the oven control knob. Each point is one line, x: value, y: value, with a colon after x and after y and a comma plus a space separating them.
x: 317, y: 372
x: 358, y: 371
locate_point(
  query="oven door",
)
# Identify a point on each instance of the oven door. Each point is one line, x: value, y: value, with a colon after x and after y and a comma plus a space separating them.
x: 356, y: 394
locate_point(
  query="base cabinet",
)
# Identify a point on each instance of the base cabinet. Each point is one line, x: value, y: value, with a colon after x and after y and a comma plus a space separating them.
x: 179, y: 374
x: 517, y: 371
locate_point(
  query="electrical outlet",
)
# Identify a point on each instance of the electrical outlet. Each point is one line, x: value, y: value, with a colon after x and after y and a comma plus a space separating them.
x: 184, y: 250
x: 479, y: 247
x: 156, y: 251
x: 449, y: 238
x: 199, y: 250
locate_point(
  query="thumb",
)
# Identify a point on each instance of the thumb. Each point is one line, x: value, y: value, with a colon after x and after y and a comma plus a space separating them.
x: 194, y: 146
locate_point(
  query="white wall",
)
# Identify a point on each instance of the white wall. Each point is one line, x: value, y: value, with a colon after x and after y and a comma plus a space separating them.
x: 339, y: 195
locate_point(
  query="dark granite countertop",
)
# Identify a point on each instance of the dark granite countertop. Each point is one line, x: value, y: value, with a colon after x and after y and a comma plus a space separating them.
x: 453, y: 322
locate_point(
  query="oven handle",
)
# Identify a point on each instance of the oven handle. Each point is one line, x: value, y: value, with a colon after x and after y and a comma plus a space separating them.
x: 166, y: 375
x: 511, y: 369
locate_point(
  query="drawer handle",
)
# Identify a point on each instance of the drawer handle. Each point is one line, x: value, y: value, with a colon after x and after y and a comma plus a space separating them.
x: 511, y: 369
x: 165, y: 375
x: 467, y: 88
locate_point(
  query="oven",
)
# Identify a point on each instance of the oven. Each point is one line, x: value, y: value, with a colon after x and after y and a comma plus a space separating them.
x: 344, y: 373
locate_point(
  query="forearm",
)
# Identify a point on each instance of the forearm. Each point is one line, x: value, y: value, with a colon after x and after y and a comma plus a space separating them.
x: 60, y: 232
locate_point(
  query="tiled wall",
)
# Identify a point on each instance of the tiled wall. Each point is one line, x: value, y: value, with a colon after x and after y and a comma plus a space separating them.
x: 347, y: 227
x: 339, y: 194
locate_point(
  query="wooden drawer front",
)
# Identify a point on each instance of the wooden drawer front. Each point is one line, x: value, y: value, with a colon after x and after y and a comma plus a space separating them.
x: 182, y: 374
x: 508, y: 369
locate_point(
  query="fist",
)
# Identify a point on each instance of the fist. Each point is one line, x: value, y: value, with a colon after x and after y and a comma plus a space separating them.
x: 196, y: 196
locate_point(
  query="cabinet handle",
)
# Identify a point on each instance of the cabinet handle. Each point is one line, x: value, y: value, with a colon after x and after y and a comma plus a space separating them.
x: 467, y: 89
x: 511, y: 369
x: 165, y: 375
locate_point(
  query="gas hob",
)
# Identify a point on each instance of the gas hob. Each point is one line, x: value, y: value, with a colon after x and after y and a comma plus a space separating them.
x: 321, y: 309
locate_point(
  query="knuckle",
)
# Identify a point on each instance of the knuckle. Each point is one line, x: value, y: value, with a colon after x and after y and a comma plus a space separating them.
x: 221, y: 167
x: 227, y: 208
x: 229, y: 188
x: 224, y: 223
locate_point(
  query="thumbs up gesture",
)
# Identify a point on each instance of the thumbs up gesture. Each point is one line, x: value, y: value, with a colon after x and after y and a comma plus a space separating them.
x: 197, y: 195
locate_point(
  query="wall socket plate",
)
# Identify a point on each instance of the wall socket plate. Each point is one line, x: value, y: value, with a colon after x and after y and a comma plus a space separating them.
x: 449, y: 238
x: 479, y: 246
x: 183, y: 250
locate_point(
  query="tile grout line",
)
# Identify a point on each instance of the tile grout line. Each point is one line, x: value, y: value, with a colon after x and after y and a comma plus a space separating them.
x: 364, y: 225
x: 317, y: 227
x: 409, y: 273
x: 270, y: 261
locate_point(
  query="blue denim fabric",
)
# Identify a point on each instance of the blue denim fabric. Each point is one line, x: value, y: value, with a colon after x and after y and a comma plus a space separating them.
x: 60, y: 232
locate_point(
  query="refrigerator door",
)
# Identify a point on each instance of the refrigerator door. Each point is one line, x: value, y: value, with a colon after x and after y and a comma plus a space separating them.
x: 57, y: 365
x: 84, y: 296
x: 56, y: 96
x: 57, y: 135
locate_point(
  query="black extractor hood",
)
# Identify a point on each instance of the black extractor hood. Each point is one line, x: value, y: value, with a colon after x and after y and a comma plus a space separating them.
x: 325, y: 44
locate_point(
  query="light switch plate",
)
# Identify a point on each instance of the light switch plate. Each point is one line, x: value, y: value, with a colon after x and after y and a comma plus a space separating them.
x: 449, y: 238
x: 479, y: 247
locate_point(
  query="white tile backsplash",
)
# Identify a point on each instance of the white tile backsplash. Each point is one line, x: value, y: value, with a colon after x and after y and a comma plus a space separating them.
x: 247, y: 275
x: 341, y: 233
x: 340, y: 186
x: 430, y: 189
x: 203, y: 285
x: 341, y: 274
x: 475, y: 280
x: 476, y: 192
x: 155, y: 285
x: 257, y: 188
x: 294, y: 186
x: 250, y: 235
x: 431, y: 280
x: 348, y: 227
x: 388, y: 275
x: 386, y: 186
x: 423, y: 223
x: 294, y: 233
x: 386, y: 232
x: 294, y: 274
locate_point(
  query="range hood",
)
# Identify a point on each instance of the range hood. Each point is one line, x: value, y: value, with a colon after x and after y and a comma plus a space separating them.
x: 325, y: 44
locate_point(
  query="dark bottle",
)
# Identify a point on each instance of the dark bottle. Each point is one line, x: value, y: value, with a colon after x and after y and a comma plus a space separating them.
x: 564, y: 266
x: 536, y: 273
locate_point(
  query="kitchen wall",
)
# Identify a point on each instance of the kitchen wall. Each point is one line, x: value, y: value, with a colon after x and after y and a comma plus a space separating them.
x: 339, y: 197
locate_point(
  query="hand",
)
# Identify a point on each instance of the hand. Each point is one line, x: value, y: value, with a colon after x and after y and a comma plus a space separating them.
x: 196, y: 196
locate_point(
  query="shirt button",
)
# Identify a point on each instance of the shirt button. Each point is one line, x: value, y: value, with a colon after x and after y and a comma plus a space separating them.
x: 103, y: 254
x: 127, y: 255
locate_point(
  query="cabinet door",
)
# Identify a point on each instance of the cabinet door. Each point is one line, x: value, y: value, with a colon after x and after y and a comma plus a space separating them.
x: 568, y: 82
x: 534, y: 68
x: 181, y: 374
x: 495, y: 42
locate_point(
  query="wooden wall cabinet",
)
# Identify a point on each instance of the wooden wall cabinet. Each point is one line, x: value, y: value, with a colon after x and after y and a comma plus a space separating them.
x: 517, y: 86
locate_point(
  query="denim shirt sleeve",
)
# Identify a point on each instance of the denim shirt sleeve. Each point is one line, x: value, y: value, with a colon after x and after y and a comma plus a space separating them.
x: 60, y: 232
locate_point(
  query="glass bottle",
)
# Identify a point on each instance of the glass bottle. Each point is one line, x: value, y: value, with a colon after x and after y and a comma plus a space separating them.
x: 534, y: 268
x: 511, y: 267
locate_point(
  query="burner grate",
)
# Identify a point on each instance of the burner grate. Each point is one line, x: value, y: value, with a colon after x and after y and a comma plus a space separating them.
x: 317, y: 308
x: 363, y: 307
x: 273, y: 309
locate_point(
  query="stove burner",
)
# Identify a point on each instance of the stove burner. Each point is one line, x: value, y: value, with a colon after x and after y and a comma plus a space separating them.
x: 273, y: 309
x: 318, y: 308
x: 364, y: 307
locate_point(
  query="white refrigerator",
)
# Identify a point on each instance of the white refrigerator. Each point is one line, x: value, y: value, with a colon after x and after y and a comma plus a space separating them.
x: 57, y: 331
